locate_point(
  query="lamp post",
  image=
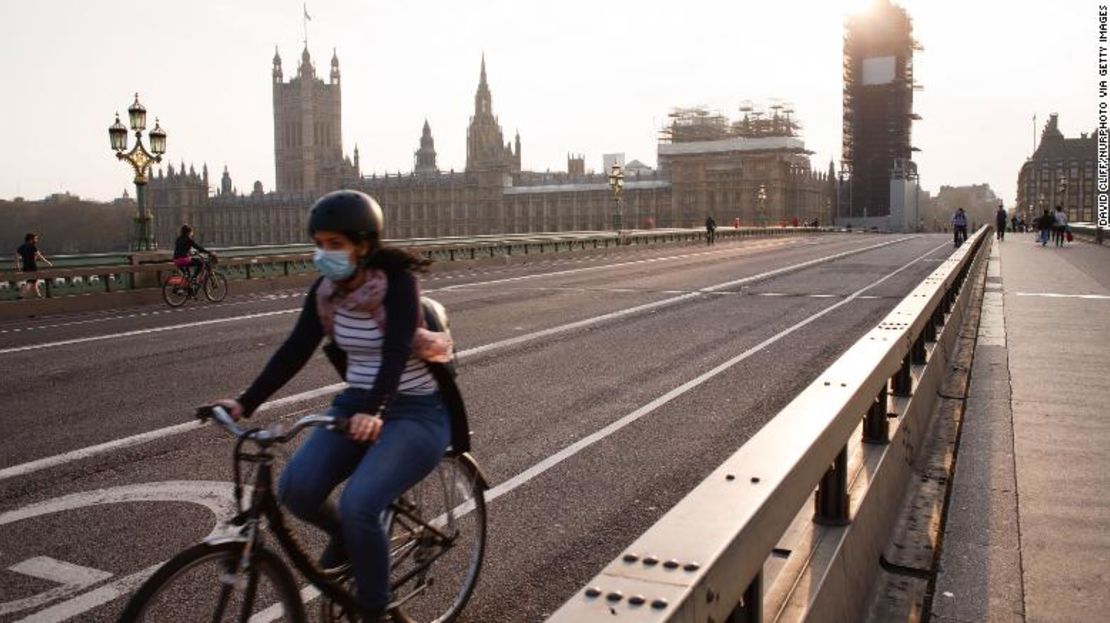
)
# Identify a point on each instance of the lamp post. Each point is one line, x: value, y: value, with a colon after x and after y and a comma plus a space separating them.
x: 761, y: 195
x: 616, y: 184
x: 142, y: 238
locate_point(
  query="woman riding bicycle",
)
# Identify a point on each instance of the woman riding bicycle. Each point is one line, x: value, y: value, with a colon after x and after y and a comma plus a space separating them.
x: 368, y: 303
x: 182, y: 247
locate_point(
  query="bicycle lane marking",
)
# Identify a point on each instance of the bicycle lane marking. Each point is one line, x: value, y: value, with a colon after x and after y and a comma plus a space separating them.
x: 133, y: 440
x: 200, y: 323
x: 217, y: 496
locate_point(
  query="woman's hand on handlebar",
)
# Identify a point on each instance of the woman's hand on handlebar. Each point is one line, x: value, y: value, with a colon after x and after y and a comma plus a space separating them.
x: 232, y: 406
x: 364, y: 428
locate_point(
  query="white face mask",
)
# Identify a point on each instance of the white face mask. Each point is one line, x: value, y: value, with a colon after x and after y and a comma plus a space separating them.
x: 335, y: 265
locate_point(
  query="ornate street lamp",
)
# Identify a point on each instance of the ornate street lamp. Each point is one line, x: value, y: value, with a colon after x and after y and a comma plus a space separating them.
x: 140, y: 159
x: 761, y: 195
x: 616, y: 183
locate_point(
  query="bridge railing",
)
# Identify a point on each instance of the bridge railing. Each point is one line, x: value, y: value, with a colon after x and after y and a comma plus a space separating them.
x: 704, y: 559
x: 290, y: 260
x: 1090, y: 231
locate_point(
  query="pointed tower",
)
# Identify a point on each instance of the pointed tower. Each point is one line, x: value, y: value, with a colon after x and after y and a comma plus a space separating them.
x: 358, y: 169
x: 426, y: 155
x: 308, y: 146
x: 277, y: 67
x: 485, y: 144
x: 225, y: 183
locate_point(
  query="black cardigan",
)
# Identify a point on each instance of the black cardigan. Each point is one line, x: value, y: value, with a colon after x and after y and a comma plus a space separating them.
x: 401, y: 308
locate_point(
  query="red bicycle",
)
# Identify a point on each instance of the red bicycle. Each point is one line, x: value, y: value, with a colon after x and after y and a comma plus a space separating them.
x: 180, y: 287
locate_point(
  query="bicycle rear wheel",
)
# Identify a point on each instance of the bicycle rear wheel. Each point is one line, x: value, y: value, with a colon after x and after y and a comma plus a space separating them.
x: 437, y: 536
x: 205, y: 583
x: 215, y: 288
x: 175, y: 291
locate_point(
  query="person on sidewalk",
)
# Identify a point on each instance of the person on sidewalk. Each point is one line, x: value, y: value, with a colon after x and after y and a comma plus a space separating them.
x: 959, y: 227
x: 1059, y: 226
x: 1044, y: 226
x: 1000, y: 223
x: 26, y: 260
x: 710, y: 230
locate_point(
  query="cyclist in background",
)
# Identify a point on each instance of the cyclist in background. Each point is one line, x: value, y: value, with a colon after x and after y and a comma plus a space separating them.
x: 959, y: 227
x: 367, y: 302
x: 182, y: 252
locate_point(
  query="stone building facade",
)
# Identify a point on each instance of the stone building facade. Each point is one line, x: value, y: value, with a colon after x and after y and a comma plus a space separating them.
x: 1061, y: 172
x: 493, y: 194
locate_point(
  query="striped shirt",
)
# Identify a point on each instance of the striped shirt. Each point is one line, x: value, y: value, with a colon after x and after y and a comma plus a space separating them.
x: 358, y: 334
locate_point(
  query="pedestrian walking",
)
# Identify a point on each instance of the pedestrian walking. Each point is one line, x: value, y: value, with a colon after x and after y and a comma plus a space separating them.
x: 959, y: 227
x: 1000, y: 223
x: 26, y: 260
x: 1014, y: 224
x: 1044, y: 226
x: 710, y: 230
x: 1059, y: 226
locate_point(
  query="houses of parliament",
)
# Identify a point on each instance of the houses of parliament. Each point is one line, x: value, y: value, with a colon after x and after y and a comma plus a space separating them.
x: 755, y: 169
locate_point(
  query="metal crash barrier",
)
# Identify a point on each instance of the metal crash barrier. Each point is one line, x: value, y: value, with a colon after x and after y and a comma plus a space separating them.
x: 704, y: 560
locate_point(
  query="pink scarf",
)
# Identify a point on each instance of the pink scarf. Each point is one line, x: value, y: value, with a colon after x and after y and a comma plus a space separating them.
x: 433, y: 346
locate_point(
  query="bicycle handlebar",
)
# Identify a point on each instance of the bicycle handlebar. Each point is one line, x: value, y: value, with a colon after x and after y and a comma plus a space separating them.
x: 273, y: 434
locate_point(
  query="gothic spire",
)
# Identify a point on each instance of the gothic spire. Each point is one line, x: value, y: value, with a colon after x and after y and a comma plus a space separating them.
x: 482, y: 81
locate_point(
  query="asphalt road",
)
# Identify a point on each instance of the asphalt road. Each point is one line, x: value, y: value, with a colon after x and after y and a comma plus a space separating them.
x: 552, y: 352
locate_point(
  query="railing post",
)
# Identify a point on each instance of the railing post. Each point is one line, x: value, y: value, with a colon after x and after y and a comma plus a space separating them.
x: 750, y: 609
x: 919, y: 350
x: 901, y: 384
x: 930, y: 331
x: 876, y: 427
x: 832, y: 501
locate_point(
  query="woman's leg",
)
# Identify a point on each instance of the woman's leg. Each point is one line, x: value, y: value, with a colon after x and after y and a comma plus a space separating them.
x: 412, y: 442
x: 326, y: 459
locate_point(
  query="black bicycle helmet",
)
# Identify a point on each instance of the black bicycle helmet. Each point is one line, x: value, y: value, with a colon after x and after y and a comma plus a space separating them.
x: 348, y: 211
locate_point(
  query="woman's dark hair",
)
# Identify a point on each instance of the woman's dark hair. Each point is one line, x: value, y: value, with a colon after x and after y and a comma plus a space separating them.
x: 186, y: 230
x: 29, y: 237
x: 392, y: 259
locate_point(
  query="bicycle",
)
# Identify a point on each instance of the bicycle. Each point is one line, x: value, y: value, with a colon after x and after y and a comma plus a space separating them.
x: 178, y: 288
x: 437, y: 532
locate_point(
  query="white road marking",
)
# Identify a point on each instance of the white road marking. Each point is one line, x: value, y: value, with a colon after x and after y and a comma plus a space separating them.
x: 215, y: 495
x: 133, y: 440
x: 187, y: 325
x: 58, y: 571
x: 172, y: 327
x: 649, y: 260
x: 576, y: 447
x: 1054, y: 295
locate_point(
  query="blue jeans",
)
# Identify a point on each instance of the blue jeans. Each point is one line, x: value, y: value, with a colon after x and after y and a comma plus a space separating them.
x: 415, y: 433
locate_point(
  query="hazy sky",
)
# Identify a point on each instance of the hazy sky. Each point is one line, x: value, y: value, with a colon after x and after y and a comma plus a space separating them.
x: 573, y: 76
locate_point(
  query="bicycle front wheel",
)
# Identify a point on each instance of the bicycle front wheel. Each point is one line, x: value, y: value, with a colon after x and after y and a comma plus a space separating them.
x: 175, y: 291
x: 212, y: 583
x: 437, y: 534
x: 215, y: 289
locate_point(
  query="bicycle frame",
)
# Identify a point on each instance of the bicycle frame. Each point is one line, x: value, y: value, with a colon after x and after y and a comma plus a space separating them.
x: 263, y: 504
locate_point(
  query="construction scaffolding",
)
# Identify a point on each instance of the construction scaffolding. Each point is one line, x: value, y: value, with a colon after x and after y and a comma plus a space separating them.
x: 700, y: 123
x: 878, y: 105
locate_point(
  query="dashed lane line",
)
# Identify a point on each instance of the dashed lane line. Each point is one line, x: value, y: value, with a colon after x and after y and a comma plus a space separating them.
x: 141, y: 438
x: 199, y: 323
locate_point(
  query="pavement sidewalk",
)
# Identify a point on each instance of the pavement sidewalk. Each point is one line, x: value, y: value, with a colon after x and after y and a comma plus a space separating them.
x: 1027, y: 537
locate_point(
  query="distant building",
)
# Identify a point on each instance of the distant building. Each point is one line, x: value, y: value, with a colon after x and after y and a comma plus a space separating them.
x: 308, y: 119
x: 1061, y: 172
x: 877, y: 170
x: 698, y: 173
x: 979, y: 202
